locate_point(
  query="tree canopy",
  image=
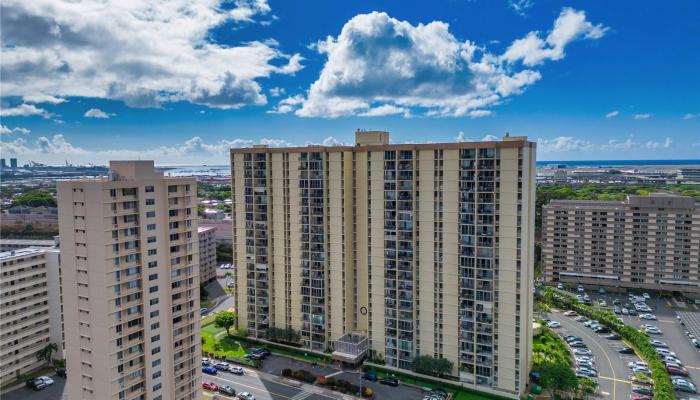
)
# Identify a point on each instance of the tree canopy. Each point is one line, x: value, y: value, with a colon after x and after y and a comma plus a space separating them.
x: 226, y: 320
x: 35, y: 198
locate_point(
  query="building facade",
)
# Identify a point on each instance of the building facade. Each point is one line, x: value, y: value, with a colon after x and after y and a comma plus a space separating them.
x: 423, y: 248
x: 207, y: 253
x: 30, y: 316
x: 645, y: 242
x: 130, y: 282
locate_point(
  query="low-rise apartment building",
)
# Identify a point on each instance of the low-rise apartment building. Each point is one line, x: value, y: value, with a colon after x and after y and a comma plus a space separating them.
x: 207, y: 253
x: 30, y: 316
x: 644, y: 242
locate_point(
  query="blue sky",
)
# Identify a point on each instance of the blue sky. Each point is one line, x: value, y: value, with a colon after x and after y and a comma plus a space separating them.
x: 181, y: 83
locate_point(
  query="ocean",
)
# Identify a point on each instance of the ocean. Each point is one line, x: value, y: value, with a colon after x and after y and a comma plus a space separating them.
x: 225, y: 170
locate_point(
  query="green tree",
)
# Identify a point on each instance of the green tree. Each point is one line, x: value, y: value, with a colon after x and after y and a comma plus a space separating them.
x: 226, y: 320
x: 442, y: 366
x: 46, y: 353
x: 557, y: 378
x: 35, y: 198
x: 586, y: 387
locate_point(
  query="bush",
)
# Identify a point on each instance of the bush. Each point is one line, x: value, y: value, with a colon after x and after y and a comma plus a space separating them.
x: 302, y: 375
x: 367, y: 392
x: 287, y: 372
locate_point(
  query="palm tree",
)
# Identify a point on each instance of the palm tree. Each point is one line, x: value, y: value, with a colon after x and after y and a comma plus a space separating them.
x: 47, y: 352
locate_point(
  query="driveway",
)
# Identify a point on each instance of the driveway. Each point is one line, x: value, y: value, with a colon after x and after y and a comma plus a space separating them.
x: 53, y: 392
x: 275, y: 364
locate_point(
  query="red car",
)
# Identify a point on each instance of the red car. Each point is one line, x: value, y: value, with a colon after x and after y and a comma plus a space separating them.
x: 636, y: 396
x: 677, y: 371
x: 210, y: 386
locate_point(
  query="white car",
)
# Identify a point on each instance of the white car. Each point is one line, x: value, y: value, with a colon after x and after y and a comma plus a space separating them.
x: 602, y: 303
x: 665, y: 352
x: 235, y: 370
x: 641, y: 370
x: 658, y: 343
x: 47, y: 381
x: 651, y: 317
x: 205, y: 360
x: 560, y: 286
x: 672, y: 359
x: 553, y: 324
x: 582, y: 352
x: 570, y: 313
x: 245, y: 396
x: 646, y: 296
x: 587, y: 364
x: 640, y: 364
x: 625, y: 311
x: 653, y: 330
x: 583, y: 358
x: 580, y: 288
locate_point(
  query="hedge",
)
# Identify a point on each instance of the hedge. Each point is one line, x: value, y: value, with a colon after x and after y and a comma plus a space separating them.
x: 663, y: 388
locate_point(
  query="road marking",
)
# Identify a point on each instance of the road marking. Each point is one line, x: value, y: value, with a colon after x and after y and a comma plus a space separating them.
x: 301, y: 395
x: 334, y: 374
x: 688, y: 366
x: 605, y: 393
x: 614, y: 379
x: 263, y: 390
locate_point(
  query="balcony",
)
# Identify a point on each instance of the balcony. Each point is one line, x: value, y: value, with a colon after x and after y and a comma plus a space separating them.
x: 351, y: 348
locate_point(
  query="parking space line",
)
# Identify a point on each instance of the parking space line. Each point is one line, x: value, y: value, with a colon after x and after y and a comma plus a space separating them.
x: 688, y: 366
x: 614, y: 379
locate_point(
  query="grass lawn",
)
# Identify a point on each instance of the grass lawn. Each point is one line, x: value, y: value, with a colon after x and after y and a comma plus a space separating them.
x: 225, y: 347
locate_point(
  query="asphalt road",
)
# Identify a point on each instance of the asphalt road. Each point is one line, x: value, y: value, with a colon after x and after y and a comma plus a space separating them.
x: 613, y: 380
x: 263, y: 389
x: 53, y: 392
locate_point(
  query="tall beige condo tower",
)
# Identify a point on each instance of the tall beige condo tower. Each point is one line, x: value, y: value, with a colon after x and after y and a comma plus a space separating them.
x: 129, y: 259
x: 392, y: 251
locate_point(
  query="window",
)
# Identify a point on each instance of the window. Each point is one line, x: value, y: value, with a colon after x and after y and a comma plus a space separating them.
x: 155, y: 313
x: 150, y: 214
x: 152, y: 264
x: 157, y: 386
x: 153, y: 302
x: 156, y: 375
x: 155, y: 338
x: 155, y: 350
x: 152, y: 289
x: 155, y: 326
x: 152, y: 252
x: 172, y: 189
x: 155, y: 363
x: 152, y: 277
x: 149, y: 189
x: 151, y: 227
x: 151, y: 239
x: 150, y: 202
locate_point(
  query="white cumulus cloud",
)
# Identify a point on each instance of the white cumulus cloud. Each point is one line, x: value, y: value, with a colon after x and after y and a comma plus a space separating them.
x: 97, y: 113
x: 144, y: 53
x: 4, y: 130
x: 24, y: 110
x: 379, y: 65
x: 612, y: 114
x: 570, y: 25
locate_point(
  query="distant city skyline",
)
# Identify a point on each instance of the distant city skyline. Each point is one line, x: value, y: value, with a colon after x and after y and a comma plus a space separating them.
x: 584, y: 80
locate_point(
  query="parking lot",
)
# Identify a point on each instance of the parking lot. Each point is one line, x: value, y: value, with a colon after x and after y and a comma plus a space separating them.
x: 672, y: 333
x: 613, y: 379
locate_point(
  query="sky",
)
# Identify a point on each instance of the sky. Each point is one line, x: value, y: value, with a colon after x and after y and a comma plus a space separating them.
x: 181, y: 82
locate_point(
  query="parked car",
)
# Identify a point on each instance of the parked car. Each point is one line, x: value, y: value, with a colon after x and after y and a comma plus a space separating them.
x: 652, y: 330
x: 617, y: 310
x: 657, y: 343
x: 582, y: 352
x: 637, y: 396
x: 210, y: 386
x: 36, y: 384
x: 587, y: 364
x: 570, y: 313
x: 222, y: 366
x: 625, y: 350
x: 647, y: 316
x: 560, y: 286
x: 633, y: 364
x: 589, y: 372
x: 642, y: 380
x: 572, y: 338
x: 227, y: 390
x: 580, y: 319
x: 601, y: 329
x: 209, y: 369
x: 245, y: 396
x: 583, y: 358
x: 553, y: 324
x: 641, y: 370
x: 613, y: 336
x: 646, y: 295
x: 695, y: 343
x: 602, y: 303
x: 646, y: 390
x: 671, y: 359
x: 369, y: 376
x: 236, y: 370
x: 389, y: 380
x: 673, y: 370
x: 664, y: 352
x: 203, y: 311
x: 686, y: 387
x: 580, y: 288
x: 435, y: 394
x: 632, y: 311
x: 625, y: 311
x: 578, y: 344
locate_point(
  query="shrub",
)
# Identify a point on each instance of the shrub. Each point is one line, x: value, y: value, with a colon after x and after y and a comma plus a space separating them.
x: 322, y: 380
x: 367, y: 392
x: 287, y: 372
